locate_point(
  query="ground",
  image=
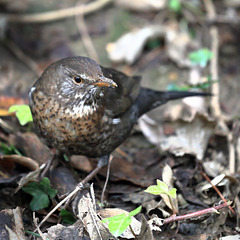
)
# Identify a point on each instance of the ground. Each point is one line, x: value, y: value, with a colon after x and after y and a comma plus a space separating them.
x: 192, y: 143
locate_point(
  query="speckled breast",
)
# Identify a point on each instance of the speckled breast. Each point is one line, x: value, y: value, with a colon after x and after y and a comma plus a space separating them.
x: 74, y: 130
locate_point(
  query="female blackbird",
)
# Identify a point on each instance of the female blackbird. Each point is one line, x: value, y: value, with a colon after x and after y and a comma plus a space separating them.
x: 82, y: 108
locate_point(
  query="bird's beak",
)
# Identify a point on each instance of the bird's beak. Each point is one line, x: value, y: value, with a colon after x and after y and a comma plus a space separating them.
x: 105, y: 82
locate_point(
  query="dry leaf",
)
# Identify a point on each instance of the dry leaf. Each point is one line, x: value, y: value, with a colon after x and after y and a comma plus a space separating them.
x: 129, y: 46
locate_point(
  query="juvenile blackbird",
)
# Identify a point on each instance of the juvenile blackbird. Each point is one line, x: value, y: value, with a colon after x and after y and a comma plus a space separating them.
x: 82, y: 108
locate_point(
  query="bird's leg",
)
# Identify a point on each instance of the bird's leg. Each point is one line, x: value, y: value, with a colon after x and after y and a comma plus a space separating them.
x: 102, y: 162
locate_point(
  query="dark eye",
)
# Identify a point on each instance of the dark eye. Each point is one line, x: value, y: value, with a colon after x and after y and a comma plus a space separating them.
x: 77, y: 79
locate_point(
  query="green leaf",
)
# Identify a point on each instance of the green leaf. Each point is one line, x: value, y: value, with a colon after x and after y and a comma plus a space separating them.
x: 35, y: 234
x: 135, y: 212
x: 174, y: 87
x: 40, y: 193
x: 200, y: 57
x: 154, y: 189
x: 160, y: 188
x: 114, y: 218
x: 40, y: 199
x: 6, y: 150
x: 118, y: 224
x: 174, y: 5
x: 172, y: 192
x: 45, y: 186
x: 23, y: 113
x: 67, y: 217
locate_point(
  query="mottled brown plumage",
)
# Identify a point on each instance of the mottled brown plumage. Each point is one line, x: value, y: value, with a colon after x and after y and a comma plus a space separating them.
x: 82, y: 108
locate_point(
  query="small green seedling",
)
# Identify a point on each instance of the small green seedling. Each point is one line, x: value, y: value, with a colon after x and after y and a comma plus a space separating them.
x: 67, y: 217
x: 35, y: 234
x: 9, y: 149
x: 174, y: 5
x: 161, y: 188
x: 41, y: 193
x: 23, y: 113
x: 200, y: 57
x: 118, y: 224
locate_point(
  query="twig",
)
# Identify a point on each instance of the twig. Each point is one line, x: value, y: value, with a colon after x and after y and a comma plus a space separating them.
x: 57, y: 14
x: 216, y: 189
x: 218, y: 19
x: 175, y: 218
x: 87, y: 41
x: 215, y: 103
x: 214, y: 61
x: 35, y: 220
x: 107, y: 178
x: 133, y: 233
x: 79, y: 187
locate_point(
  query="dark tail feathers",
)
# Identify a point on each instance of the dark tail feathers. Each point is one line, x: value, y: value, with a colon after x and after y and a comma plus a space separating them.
x: 149, y: 99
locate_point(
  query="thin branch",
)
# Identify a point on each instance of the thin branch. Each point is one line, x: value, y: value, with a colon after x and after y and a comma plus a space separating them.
x: 35, y: 221
x: 79, y: 187
x: 107, y: 178
x: 57, y: 14
x: 175, y: 218
x: 87, y: 41
x: 215, y: 102
x: 216, y: 189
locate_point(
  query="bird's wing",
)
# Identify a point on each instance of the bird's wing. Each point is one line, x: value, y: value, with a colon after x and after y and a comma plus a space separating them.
x: 121, y: 98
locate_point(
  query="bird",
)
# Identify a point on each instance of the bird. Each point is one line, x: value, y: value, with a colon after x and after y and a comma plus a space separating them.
x: 82, y: 108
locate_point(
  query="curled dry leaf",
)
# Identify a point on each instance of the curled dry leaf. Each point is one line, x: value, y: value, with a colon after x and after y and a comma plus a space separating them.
x: 178, y: 44
x: 91, y: 222
x: 11, y: 224
x: 59, y: 231
x: 145, y: 232
x: 129, y: 46
x: 21, y: 160
x: 218, y: 180
x: 190, y: 137
x: 155, y: 224
x: 142, y: 5
x: 213, y: 168
x: 196, y: 104
x: 167, y: 177
x: 30, y: 177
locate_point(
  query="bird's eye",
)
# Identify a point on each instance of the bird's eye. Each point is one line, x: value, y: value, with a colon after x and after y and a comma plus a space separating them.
x: 77, y: 79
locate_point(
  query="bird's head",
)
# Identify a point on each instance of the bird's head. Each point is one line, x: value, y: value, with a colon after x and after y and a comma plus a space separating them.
x: 73, y: 79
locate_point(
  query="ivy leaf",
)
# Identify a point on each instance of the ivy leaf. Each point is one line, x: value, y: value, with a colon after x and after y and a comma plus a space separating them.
x: 67, y: 217
x: 40, y: 193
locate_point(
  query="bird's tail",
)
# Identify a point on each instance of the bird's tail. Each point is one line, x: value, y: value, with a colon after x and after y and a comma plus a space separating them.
x: 149, y: 99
